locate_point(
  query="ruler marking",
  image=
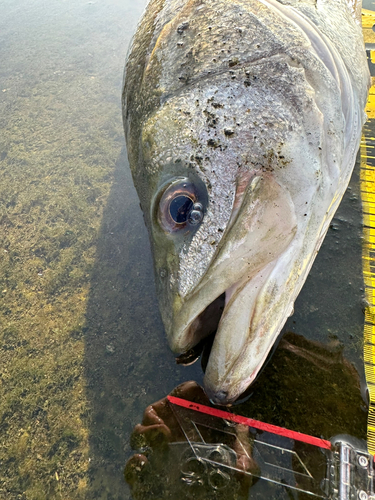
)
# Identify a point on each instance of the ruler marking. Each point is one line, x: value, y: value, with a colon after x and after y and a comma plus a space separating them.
x: 367, y: 189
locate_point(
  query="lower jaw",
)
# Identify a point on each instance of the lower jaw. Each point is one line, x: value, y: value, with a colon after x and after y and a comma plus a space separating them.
x: 203, y: 331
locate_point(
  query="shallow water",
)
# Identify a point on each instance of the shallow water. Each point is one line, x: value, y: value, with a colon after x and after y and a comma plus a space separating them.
x: 83, y: 351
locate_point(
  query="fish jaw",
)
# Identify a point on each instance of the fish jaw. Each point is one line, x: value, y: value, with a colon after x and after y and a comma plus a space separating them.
x: 263, y: 228
x: 242, y: 341
x: 249, y: 327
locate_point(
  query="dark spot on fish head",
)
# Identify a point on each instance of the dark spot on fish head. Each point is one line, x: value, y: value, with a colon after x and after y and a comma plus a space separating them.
x: 199, y: 159
x: 212, y: 143
x: 182, y: 27
x: 233, y: 62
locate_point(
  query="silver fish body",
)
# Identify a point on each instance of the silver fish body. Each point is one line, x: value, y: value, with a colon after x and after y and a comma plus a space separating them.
x: 242, y: 120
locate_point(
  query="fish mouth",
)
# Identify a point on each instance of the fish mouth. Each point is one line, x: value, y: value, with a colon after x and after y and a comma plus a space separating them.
x: 239, y: 293
x: 203, y: 327
x: 227, y: 329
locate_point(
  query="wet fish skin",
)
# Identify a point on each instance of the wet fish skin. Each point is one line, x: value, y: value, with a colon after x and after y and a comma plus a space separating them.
x: 258, y: 105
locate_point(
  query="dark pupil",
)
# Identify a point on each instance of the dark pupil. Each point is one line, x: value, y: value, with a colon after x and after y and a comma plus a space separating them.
x: 180, y: 208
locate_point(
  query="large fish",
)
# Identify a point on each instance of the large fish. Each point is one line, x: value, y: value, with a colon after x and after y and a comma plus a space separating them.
x: 242, y: 119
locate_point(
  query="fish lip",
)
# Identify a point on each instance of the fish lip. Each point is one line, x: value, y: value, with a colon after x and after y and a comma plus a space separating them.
x: 226, y: 396
x: 229, y: 293
x: 176, y: 345
x: 224, y: 391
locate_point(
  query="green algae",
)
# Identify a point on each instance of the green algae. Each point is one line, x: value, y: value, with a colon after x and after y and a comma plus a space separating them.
x: 51, y: 207
x: 61, y: 135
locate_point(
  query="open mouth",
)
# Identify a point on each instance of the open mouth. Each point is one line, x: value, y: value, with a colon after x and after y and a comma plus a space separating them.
x: 205, y: 327
x: 202, y: 330
x: 233, y: 336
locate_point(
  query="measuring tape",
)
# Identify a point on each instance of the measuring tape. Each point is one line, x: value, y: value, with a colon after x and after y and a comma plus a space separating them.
x: 367, y: 179
x: 250, y: 422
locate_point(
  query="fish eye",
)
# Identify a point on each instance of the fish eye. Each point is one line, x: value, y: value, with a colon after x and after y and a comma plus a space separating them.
x: 180, y: 207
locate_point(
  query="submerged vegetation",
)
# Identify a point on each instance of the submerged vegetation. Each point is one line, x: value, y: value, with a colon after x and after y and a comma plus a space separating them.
x: 61, y: 135
x: 55, y: 182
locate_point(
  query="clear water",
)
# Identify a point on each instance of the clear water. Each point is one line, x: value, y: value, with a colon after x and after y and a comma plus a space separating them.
x: 83, y: 351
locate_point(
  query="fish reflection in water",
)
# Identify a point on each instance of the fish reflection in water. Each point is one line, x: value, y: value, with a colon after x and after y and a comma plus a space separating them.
x: 169, y: 471
x: 242, y: 121
x: 326, y: 401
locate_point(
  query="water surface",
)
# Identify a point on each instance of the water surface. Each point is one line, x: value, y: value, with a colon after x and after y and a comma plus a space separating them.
x: 82, y: 346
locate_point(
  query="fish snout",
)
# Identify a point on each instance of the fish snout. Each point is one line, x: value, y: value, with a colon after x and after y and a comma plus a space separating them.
x: 218, y: 397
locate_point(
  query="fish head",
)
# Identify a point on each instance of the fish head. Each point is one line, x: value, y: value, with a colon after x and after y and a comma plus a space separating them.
x: 242, y: 128
x: 232, y: 181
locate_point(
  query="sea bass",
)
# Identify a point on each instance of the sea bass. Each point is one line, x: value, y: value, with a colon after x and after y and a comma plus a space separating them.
x: 242, y: 120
